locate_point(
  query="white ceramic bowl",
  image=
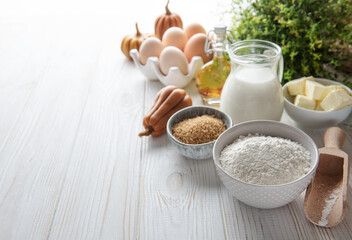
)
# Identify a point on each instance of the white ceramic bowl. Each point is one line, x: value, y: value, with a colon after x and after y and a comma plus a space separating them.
x: 262, y: 196
x: 314, y: 119
x: 195, y: 151
x: 175, y: 77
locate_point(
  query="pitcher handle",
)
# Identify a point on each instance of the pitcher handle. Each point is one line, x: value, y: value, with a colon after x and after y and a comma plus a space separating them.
x: 281, y: 68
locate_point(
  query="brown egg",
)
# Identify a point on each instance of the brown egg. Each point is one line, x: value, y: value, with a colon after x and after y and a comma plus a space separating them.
x: 174, y: 36
x: 195, y: 47
x: 173, y: 57
x: 151, y: 47
x: 194, y: 28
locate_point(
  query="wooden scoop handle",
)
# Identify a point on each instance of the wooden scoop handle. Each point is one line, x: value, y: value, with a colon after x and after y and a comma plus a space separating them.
x: 334, y: 137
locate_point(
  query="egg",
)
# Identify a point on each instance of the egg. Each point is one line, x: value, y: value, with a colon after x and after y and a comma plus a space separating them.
x: 173, y: 57
x: 195, y: 47
x: 194, y: 28
x: 151, y: 47
x: 174, y: 36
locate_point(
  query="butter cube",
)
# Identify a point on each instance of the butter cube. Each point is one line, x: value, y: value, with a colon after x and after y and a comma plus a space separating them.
x: 304, y: 102
x: 336, y: 99
x: 310, y: 78
x: 296, y: 87
x: 337, y: 87
x: 316, y: 90
x: 318, y: 106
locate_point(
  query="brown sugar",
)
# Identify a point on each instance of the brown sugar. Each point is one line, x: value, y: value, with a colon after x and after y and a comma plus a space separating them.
x: 200, y: 129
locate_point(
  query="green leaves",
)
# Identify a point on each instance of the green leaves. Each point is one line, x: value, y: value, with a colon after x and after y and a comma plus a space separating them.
x: 311, y: 33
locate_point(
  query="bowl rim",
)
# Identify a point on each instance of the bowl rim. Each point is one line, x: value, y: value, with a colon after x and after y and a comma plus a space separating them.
x: 272, y: 123
x: 169, y: 131
x: 315, y: 111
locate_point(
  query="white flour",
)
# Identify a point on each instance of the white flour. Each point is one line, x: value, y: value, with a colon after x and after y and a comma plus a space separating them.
x: 329, y: 203
x: 265, y: 160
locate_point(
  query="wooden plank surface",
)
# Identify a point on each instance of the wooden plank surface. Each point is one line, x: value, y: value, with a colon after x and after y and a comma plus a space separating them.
x: 71, y: 163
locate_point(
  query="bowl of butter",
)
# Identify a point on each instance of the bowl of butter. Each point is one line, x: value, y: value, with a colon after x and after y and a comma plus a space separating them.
x: 316, y: 102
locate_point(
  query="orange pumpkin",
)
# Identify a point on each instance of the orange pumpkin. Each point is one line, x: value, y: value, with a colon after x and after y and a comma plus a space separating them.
x: 133, y: 41
x: 165, y: 21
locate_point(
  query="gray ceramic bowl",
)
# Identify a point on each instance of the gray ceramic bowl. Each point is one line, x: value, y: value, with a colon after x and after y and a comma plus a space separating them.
x: 265, y: 196
x: 195, y: 151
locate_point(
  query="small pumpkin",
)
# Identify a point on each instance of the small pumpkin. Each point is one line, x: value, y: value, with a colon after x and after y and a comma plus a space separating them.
x: 133, y: 41
x: 167, y: 20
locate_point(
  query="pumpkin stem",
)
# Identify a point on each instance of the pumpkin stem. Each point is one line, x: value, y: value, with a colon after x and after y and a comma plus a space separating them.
x: 167, y: 8
x: 138, y: 32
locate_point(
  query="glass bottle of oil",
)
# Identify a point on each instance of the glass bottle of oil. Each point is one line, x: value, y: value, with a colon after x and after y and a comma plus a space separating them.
x: 212, y: 76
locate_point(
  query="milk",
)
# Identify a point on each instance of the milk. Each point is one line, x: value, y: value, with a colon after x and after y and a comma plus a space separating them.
x: 252, y: 93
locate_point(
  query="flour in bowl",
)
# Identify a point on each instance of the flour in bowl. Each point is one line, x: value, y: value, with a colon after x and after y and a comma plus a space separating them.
x: 265, y: 160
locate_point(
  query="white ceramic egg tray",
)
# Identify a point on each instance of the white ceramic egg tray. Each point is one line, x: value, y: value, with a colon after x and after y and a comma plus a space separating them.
x: 175, y: 77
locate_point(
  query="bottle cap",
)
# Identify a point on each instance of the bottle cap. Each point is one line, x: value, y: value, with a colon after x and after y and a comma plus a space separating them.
x: 220, y: 29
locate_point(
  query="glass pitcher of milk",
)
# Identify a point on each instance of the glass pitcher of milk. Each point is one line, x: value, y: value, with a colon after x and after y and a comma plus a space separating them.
x: 252, y: 90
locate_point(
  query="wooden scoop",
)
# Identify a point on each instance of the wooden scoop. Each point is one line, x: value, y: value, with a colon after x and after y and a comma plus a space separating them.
x: 325, y: 200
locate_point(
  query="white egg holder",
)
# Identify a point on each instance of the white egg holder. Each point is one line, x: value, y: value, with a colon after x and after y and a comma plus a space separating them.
x: 151, y: 70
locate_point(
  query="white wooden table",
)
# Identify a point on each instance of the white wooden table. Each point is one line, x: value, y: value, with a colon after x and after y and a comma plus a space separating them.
x: 71, y: 163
